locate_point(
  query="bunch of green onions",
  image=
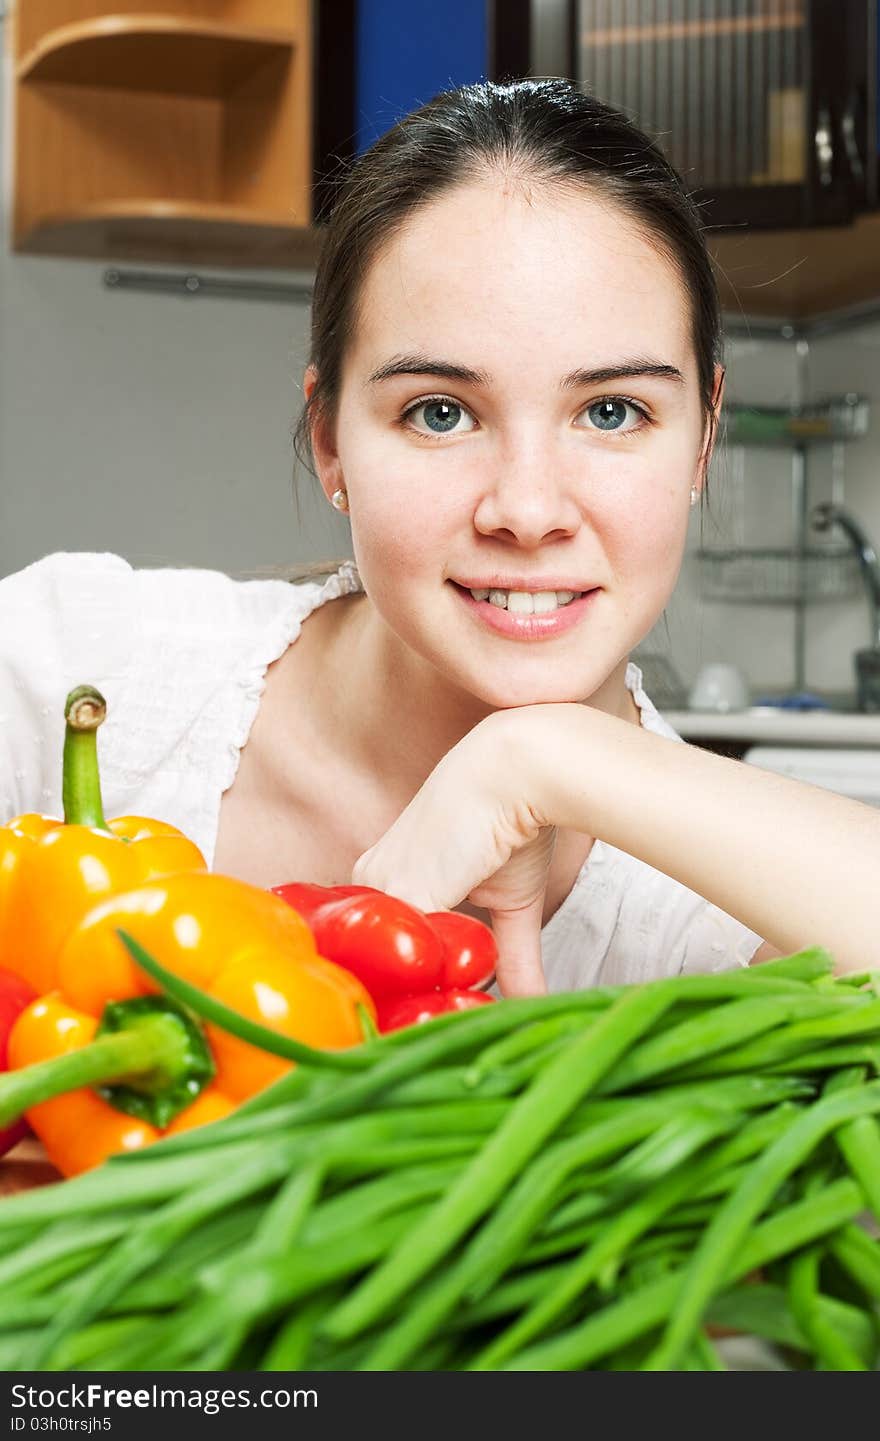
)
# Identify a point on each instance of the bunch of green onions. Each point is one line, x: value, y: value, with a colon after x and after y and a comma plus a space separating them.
x: 598, y: 1180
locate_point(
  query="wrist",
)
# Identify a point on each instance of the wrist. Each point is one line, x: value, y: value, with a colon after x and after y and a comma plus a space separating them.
x: 534, y: 752
x: 583, y: 765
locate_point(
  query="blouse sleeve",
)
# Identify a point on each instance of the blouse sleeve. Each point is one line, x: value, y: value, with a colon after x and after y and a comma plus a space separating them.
x: 66, y: 620
x: 625, y: 923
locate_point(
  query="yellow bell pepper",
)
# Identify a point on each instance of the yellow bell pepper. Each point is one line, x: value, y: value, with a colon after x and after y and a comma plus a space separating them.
x: 53, y: 872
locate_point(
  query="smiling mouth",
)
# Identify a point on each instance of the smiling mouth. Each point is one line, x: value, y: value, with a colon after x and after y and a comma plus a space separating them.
x: 524, y: 602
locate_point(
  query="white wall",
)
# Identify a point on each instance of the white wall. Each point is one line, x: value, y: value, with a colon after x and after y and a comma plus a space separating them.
x: 151, y: 425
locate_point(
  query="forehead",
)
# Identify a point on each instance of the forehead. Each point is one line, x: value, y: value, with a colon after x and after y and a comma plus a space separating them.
x: 523, y: 273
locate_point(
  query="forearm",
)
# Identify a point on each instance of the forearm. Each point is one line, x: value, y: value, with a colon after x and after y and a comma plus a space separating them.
x: 796, y: 864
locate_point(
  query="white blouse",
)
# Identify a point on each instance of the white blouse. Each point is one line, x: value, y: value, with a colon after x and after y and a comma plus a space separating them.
x: 181, y: 656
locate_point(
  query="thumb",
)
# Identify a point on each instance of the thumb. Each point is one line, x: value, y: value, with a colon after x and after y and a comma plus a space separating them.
x: 520, y: 971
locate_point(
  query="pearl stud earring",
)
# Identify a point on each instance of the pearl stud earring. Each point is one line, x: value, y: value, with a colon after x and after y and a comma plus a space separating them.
x: 695, y: 495
x: 339, y: 500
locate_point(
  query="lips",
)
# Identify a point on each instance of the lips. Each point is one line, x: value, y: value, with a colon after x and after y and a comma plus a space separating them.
x: 533, y: 584
x: 525, y: 627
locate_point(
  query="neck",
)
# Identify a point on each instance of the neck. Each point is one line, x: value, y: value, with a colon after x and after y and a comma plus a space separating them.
x: 408, y: 714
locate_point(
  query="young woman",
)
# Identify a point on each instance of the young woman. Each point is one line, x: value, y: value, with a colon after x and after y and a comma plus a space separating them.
x: 513, y: 391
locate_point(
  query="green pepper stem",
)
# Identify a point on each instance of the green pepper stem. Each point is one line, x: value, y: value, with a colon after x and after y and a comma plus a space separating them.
x: 154, y: 1046
x: 84, y: 711
x: 210, y: 1009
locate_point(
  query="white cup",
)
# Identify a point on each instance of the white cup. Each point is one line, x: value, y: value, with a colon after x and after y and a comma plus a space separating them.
x: 719, y: 687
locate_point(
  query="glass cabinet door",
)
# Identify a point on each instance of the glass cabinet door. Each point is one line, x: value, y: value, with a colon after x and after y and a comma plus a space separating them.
x: 768, y: 108
x: 724, y: 85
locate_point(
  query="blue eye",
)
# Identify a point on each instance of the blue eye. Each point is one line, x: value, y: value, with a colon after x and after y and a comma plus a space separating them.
x: 441, y: 416
x: 611, y: 414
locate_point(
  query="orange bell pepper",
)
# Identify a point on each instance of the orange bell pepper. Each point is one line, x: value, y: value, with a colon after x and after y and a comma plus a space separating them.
x: 53, y: 872
x: 241, y: 945
x: 81, y: 1129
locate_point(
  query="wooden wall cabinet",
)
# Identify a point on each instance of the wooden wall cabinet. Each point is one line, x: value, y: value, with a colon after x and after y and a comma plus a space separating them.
x: 169, y: 130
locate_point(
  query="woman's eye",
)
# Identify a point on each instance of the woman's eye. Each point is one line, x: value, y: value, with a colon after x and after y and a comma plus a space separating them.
x: 614, y: 413
x: 441, y: 417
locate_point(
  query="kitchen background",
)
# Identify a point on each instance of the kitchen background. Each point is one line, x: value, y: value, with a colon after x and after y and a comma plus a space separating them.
x: 158, y: 424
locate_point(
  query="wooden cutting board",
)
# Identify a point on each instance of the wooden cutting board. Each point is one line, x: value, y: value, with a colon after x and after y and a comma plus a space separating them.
x: 25, y: 1167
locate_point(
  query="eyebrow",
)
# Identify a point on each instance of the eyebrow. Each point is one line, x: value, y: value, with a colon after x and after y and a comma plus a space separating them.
x: 416, y: 364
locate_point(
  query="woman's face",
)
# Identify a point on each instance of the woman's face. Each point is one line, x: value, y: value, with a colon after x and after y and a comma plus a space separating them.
x: 519, y: 412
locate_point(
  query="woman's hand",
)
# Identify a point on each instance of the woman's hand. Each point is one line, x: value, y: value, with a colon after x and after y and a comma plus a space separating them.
x: 472, y: 832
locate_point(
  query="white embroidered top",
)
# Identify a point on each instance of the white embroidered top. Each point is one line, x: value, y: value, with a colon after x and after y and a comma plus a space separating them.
x: 181, y: 656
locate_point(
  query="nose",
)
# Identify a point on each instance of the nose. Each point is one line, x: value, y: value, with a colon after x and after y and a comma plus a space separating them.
x: 527, y: 500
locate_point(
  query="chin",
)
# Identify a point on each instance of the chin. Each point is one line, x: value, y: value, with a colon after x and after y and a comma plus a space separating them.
x: 506, y: 691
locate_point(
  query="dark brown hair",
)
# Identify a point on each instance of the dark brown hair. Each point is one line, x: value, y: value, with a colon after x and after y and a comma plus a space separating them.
x: 534, y: 131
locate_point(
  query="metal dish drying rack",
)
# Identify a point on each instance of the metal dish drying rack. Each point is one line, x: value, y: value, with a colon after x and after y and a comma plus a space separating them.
x: 801, y: 573
x: 823, y: 573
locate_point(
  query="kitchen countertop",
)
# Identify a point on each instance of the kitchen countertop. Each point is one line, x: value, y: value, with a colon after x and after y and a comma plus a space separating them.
x: 772, y: 725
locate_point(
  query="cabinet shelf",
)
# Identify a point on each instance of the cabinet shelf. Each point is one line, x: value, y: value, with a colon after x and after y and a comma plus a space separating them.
x: 163, y: 231
x: 838, y: 419
x: 171, y: 136
x: 146, y: 52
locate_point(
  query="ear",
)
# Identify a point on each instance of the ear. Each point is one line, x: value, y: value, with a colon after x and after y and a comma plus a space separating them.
x: 712, y: 423
x: 718, y: 388
x: 327, y: 462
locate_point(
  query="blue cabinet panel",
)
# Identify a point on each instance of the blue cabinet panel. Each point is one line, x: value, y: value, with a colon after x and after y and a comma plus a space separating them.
x: 407, y: 51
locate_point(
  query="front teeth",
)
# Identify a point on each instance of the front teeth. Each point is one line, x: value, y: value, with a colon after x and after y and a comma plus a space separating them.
x: 545, y: 600
x: 523, y: 602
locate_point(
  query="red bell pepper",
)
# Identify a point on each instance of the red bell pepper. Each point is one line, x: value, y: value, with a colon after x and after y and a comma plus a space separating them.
x: 413, y: 965
x: 396, y: 1011
x: 470, y: 954
x: 386, y: 943
x: 308, y: 898
x: 15, y: 996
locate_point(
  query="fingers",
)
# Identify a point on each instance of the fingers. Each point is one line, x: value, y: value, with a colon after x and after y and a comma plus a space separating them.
x: 520, y: 970
x: 374, y: 869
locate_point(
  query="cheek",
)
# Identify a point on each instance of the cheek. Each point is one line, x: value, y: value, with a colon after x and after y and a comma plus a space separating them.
x: 654, y: 531
x: 405, y: 523
x: 644, y: 538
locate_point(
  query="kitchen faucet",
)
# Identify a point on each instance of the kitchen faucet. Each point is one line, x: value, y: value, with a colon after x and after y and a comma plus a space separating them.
x: 826, y: 515
x: 867, y: 662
